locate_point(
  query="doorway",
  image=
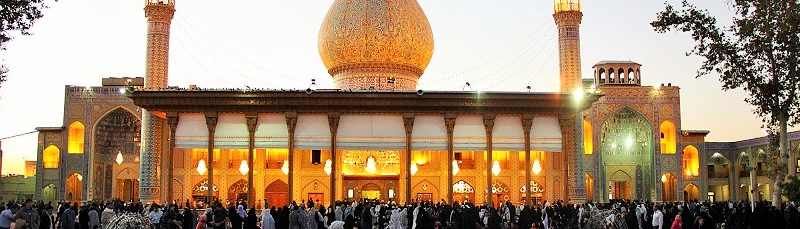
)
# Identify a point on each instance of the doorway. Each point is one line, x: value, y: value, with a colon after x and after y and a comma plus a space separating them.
x: 621, y: 190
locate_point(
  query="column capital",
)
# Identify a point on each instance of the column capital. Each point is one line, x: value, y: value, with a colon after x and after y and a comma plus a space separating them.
x: 172, y: 120
x: 252, y: 123
x: 450, y: 122
x: 527, y: 124
x: 488, y: 123
x: 408, y: 122
x: 291, y: 123
x: 333, y: 122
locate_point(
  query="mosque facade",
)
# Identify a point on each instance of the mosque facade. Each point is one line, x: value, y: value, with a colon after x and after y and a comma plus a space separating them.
x: 375, y: 136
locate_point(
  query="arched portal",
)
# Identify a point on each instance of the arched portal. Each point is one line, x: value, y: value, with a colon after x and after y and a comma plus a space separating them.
x: 238, y: 191
x: 74, y: 189
x: 589, y: 187
x: 626, y: 146
x: 621, y: 186
x: 117, y: 132
x: 49, y: 193
x: 51, y: 157
x: 669, y: 187
x: 463, y: 192
x: 691, y: 193
x: 370, y: 191
x: 691, y: 161
x: 200, y: 191
x: 276, y: 194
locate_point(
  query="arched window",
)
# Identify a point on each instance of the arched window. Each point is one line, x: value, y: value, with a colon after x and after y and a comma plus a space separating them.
x: 630, y: 76
x: 603, y: 76
x: 50, y: 157
x: 75, y: 137
x: 667, y: 138
x: 611, y: 76
x: 621, y: 76
x: 587, y: 137
x: 691, y: 161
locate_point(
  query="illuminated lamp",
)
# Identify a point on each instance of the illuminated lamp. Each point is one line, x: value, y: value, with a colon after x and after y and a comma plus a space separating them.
x: 455, y: 167
x: 414, y: 169
x: 664, y: 178
x: 371, y: 165
x: 243, y: 168
x: 496, y: 168
x: 537, y: 167
x: 328, y: 168
x: 119, y: 158
x: 201, y: 167
x: 285, y: 168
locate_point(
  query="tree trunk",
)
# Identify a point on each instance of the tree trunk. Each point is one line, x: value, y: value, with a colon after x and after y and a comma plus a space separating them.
x: 784, y: 161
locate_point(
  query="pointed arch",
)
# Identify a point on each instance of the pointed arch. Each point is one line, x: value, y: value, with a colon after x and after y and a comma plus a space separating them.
x: 589, y: 187
x: 75, y: 137
x: 668, y: 138
x: 691, y: 192
x: 276, y: 194
x: 74, y: 188
x: 669, y: 187
x: 238, y: 190
x: 588, y: 147
x: 691, y: 161
x: 51, y: 157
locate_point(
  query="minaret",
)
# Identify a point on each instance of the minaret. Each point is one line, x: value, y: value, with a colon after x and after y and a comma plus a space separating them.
x: 568, y: 19
x: 159, y: 15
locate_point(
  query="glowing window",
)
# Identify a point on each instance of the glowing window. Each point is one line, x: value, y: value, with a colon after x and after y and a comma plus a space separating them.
x: 75, y: 137
x: 691, y: 161
x: 50, y: 157
x: 587, y: 137
x: 667, y: 140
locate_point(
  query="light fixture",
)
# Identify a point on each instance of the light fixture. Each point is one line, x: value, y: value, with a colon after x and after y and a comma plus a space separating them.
x: 455, y: 167
x: 414, y: 169
x: 496, y: 168
x: 80, y: 177
x: 243, y: 168
x: 664, y: 178
x: 578, y: 94
x: 350, y: 193
x: 285, y: 168
x: 201, y: 167
x: 688, y: 172
x: 537, y: 167
x: 119, y: 158
x: 391, y: 193
x: 371, y: 165
x: 328, y: 168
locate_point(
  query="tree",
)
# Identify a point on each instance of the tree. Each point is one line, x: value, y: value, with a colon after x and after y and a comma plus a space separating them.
x: 759, y: 53
x: 17, y: 15
x: 791, y: 189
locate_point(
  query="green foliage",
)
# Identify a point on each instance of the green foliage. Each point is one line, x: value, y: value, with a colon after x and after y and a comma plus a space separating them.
x: 759, y: 53
x: 17, y: 15
x: 791, y: 189
x: 772, y: 157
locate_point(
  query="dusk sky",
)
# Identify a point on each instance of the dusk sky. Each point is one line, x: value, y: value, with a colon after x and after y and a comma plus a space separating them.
x: 498, y: 45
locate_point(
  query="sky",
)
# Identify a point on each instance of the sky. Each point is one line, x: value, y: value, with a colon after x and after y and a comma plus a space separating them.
x: 497, y: 45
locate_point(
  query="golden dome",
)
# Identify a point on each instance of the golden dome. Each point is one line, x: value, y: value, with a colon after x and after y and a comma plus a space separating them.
x: 376, y: 44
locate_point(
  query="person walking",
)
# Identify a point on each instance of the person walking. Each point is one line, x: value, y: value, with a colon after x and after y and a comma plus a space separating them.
x: 658, y: 218
x: 29, y: 215
x: 7, y: 216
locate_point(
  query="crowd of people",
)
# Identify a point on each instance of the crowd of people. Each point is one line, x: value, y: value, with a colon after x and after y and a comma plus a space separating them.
x: 374, y: 214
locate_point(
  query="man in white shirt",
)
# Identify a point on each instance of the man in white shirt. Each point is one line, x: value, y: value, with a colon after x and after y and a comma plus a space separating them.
x: 658, y: 218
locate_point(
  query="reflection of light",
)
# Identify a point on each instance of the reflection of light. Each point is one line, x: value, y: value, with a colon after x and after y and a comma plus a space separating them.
x: 350, y: 193
x: 664, y: 178
x: 688, y: 173
x: 496, y: 168
x: 201, y: 167
x: 285, y: 167
x: 80, y: 177
x: 578, y: 95
x: 537, y: 168
x: 455, y: 167
x: 414, y: 168
x: 629, y: 141
x: 119, y: 158
x: 391, y: 193
x: 371, y: 165
x: 243, y: 168
x: 328, y: 165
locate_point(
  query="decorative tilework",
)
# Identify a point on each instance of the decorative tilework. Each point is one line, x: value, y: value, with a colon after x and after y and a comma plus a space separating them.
x: 364, y: 43
x: 569, y: 46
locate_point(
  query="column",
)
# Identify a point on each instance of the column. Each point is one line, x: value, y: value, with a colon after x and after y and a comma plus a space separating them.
x: 211, y: 122
x: 172, y: 122
x: 252, y: 123
x: 572, y: 127
x: 450, y: 124
x: 488, y: 124
x: 333, y: 123
x: 408, y: 123
x: 291, y: 123
x: 150, y: 158
x: 527, y: 122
